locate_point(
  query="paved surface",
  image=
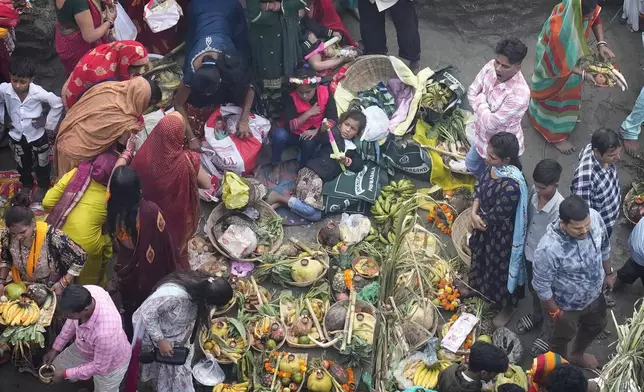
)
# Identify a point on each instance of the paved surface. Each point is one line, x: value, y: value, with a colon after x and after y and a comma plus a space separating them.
x: 463, y: 33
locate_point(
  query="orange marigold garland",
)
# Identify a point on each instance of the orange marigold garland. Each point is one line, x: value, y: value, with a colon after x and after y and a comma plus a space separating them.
x: 348, y: 279
x: 443, y: 217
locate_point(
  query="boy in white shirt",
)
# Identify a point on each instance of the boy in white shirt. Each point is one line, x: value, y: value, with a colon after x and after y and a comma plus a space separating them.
x: 28, y: 137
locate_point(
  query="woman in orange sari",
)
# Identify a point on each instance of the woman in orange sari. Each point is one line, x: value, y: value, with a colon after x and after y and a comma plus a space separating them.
x: 556, y: 82
x: 81, y: 25
x: 116, y: 62
x: 171, y: 176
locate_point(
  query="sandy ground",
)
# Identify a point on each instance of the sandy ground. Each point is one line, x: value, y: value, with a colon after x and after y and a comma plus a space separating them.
x: 463, y: 34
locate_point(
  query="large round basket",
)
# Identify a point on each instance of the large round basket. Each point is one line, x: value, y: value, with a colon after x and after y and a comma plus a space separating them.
x: 219, y: 212
x: 203, y: 329
x: 253, y: 339
x: 460, y: 229
x: 626, y: 204
x: 368, y: 71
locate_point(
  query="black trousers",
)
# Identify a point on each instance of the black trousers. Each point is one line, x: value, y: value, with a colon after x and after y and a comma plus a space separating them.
x: 33, y: 156
x: 372, y: 28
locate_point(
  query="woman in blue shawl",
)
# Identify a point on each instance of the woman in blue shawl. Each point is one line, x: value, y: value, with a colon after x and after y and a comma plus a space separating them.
x: 499, y: 217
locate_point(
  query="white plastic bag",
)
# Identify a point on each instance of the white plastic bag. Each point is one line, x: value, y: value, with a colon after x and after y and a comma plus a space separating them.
x: 124, y: 28
x: 354, y: 228
x: 207, y: 372
x: 238, y: 241
x: 161, y: 15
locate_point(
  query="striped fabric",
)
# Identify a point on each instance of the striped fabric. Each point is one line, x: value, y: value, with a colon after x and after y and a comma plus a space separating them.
x: 556, y: 91
x: 542, y: 366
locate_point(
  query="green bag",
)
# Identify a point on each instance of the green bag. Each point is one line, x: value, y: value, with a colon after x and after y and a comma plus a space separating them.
x: 354, y: 192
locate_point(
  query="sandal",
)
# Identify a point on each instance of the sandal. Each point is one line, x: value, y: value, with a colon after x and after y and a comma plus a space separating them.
x: 603, y: 335
x: 539, y: 346
x: 526, y: 324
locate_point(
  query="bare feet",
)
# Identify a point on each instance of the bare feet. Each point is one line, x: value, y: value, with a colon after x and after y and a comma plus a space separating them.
x: 503, y: 317
x: 564, y: 147
x: 586, y: 361
x: 274, y: 174
x: 632, y: 147
x: 276, y: 200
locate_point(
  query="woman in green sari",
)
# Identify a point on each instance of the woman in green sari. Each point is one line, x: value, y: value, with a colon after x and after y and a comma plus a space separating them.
x: 274, y: 40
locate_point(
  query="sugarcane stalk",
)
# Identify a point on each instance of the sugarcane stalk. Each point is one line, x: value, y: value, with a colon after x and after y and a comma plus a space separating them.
x: 277, y: 366
x: 352, y: 309
x: 259, y: 294
x: 308, y: 250
x: 158, y: 68
x: 443, y: 152
x: 345, y: 330
x: 315, y: 318
x: 327, y: 344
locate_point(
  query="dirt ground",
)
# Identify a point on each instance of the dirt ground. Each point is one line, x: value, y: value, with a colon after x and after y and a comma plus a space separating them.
x: 463, y: 33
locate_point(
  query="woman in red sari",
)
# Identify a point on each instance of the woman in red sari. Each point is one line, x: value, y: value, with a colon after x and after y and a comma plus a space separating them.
x: 171, y: 176
x: 81, y: 25
x: 144, y: 246
x: 116, y: 61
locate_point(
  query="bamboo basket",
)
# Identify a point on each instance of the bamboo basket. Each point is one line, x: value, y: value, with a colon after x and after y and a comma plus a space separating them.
x: 326, y: 249
x: 345, y: 303
x: 368, y: 71
x: 628, y: 201
x: 224, y: 360
x: 220, y: 212
x: 431, y: 329
x: 291, y: 340
x: 253, y: 339
x: 298, y: 357
x: 461, y: 227
x: 214, y: 312
x: 45, y: 317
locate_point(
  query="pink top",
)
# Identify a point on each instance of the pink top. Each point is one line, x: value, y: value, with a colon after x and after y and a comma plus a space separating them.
x: 499, y: 107
x: 101, y: 340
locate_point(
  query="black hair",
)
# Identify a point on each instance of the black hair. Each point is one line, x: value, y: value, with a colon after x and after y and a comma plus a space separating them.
x: 588, y: 6
x: 487, y: 357
x: 547, y: 172
x: 155, y: 92
x: 18, y: 213
x: 566, y: 378
x: 123, y: 204
x: 74, y: 299
x: 22, y: 67
x: 513, y: 49
x: 355, y: 115
x: 506, y: 145
x: 207, y: 77
x: 233, y: 70
x: 509, y: 387
x: 304, y: 73
x: 573, y: 208
x: 605, y: 139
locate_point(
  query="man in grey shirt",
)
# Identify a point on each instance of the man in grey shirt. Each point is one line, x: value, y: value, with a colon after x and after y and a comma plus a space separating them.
x: 542, y: 211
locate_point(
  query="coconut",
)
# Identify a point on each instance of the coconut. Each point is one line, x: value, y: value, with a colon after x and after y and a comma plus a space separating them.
x: 319, y: 381
x: 334, y: 318
x: 306, y: 270
x: 422, y: 314
x: 38, y: 293
x: 302, y: 326
x: 14, y: 290
x: 290, y: 364
x: 364, y: 326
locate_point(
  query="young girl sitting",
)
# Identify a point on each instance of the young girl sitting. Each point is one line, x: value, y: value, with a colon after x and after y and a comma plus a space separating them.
x: 325, y: 166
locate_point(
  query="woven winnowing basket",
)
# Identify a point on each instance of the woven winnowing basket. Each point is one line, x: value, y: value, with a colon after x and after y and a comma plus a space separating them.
x: 366, y: 72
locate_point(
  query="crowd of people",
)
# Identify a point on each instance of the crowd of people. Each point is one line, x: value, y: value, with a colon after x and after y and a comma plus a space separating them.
x: 110, y: 207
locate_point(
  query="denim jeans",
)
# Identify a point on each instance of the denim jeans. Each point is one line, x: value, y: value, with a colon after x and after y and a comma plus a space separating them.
x: 475, y: 163
x: 631, y: 126
x: 282, y: 138
x: 304, y: 210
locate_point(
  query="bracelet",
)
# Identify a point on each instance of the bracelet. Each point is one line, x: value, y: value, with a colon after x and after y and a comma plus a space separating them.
x: 194, y: 138
x: 600, y: 43
x: 583, y: 74
x: 556, y: 314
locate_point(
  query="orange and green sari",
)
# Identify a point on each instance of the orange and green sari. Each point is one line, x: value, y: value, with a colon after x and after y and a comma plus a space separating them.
x: 555, y: 90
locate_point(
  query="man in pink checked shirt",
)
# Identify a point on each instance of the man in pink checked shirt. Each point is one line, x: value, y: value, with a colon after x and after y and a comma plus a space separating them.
x: 100, y: 349
x: 499, y: 97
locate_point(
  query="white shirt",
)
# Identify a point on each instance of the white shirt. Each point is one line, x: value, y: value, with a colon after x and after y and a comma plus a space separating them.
x: 538, y: 221
x: 22, y: 113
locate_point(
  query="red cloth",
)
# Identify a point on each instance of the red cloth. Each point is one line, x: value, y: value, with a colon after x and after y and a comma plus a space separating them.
x: 9, y: 17
x: 168, y: 173
x: 72, y: 47
x: 163, y: 41
x: 302, y: 106
x: 105, y: 62
x: 324, y: 13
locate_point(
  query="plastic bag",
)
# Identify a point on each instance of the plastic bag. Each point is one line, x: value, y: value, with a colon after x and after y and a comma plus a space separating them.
x: 207, y: 372
x: 377, y: 124
x: 161, y: 15
x: 239, y: 192
x: 238, y: 241
x: 124, y: 28
x: 404, y: 382
x: 354, y: 228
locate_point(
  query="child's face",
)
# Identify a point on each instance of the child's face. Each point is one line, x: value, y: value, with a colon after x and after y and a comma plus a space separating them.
x: 306, y: 91
x: 349, y: 128
x: 20, y: 85
x: 220, y: 124
x: 545, y: 191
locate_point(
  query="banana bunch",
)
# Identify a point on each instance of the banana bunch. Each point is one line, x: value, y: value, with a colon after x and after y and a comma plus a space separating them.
x: 264, y: 324
x: 242, y: 387
x: 387, y: 206
x: 439, y: 272
x: 19, y: 335
x: 22, y: 312
x: 436, y: 97
x: 424, y: 376
x: 373, y: 234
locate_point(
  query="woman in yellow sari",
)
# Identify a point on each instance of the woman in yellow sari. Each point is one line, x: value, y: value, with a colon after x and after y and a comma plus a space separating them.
x: 77, y: 207
x: 36, y: 252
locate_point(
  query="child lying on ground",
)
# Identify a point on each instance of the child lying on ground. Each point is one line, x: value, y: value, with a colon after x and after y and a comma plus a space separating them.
x: 322, y: 167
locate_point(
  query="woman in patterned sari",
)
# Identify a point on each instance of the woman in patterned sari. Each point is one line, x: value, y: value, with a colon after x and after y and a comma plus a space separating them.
x: 116, y: 61
x: 145, y: 250
x: 499, y: 217
x: 34, y: 251
x: 81, y: 25
x: 171, y: 176
x: 556, y: 82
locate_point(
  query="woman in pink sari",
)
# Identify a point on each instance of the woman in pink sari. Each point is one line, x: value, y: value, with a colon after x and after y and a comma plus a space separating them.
x: 81, y: 25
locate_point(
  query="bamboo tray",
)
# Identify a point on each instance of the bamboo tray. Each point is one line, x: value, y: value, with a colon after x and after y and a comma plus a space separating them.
x: 253, y: 339
x: 222, y: 359
x: 298, y: 357
x: 345, y: 303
